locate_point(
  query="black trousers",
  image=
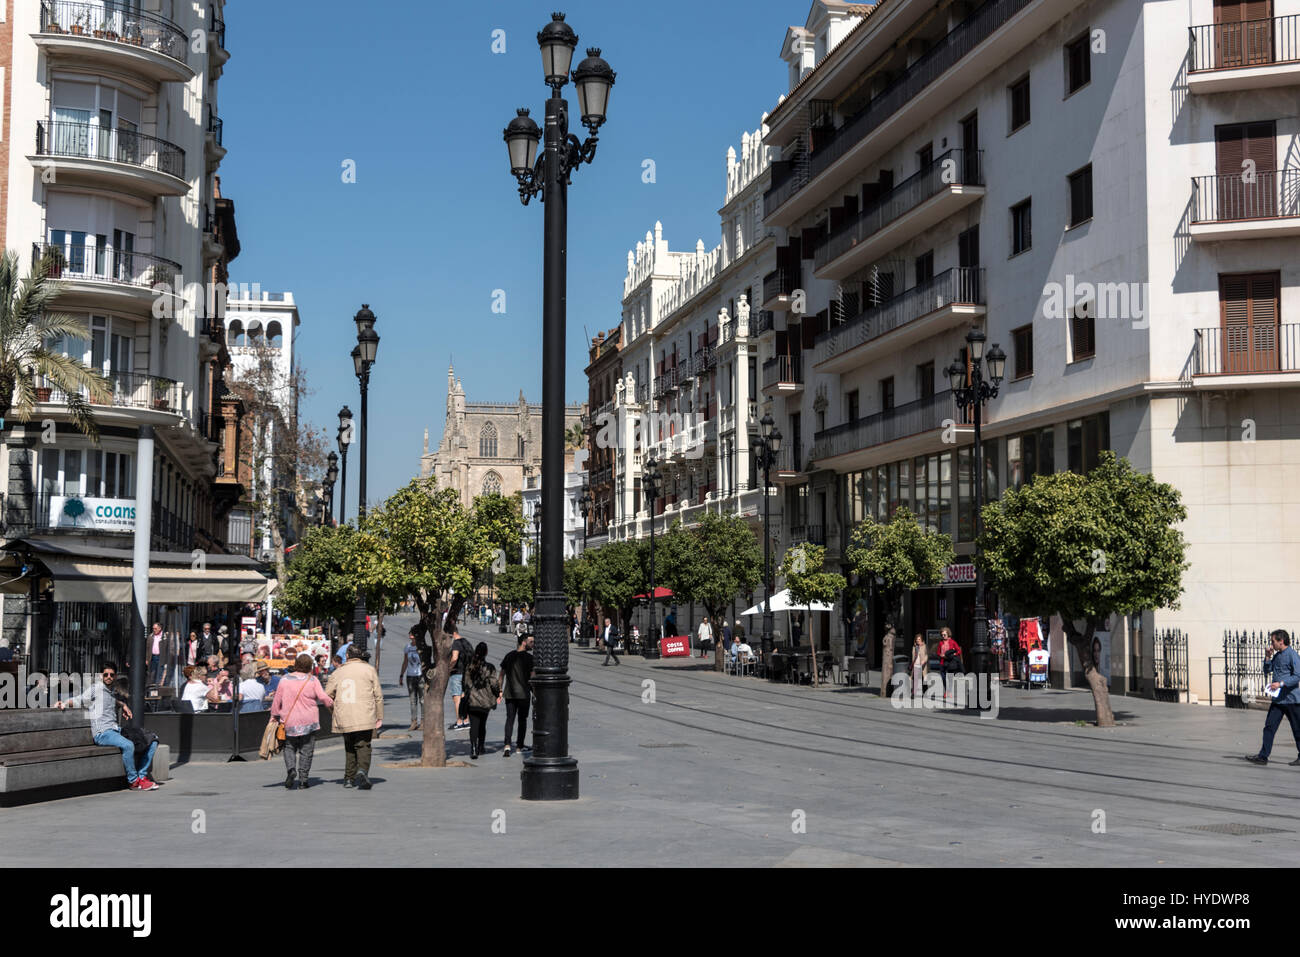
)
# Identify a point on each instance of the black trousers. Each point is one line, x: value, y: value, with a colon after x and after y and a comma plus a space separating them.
x: 519, y: 707
x: 609, y: 652
x: 1275, y: 714
x: 477, y: 729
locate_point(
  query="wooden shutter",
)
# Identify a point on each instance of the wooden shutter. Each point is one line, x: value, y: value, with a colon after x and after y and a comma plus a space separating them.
x: 1248, y: 308
x: 1084, y: 334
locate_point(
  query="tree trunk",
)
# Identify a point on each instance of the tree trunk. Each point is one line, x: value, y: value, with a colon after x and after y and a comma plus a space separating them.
x: 433, y: 749
x: 718, y: 651
x: 1096, y: 680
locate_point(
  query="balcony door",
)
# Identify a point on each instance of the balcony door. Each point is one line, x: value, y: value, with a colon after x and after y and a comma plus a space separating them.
x: 970, y: 147
x: 1246, y: 164
x: 1243, y: 33
x: 1249, y: 317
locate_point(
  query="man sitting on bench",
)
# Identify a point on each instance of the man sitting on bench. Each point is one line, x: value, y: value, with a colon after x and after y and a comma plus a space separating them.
x: 101, y: 702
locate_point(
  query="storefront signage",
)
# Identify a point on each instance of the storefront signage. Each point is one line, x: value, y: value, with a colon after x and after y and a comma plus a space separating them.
x: 678, y: 647
x: 93, y: 514
x: 959, y: 573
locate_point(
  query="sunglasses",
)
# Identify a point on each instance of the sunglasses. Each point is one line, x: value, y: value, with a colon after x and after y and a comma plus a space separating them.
x: 110, y: 674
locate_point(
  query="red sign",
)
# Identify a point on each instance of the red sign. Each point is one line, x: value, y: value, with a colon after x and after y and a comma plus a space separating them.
x: 679, y: 647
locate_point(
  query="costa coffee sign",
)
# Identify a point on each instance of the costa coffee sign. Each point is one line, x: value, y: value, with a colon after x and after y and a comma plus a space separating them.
x: 959, y: 573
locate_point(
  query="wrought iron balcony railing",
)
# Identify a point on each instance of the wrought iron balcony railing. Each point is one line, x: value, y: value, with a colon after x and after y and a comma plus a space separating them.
x: 1244, y: 43
x: 911, y: 418
x: 88, y: 141
x: 783, y: 370
x: 1271, y: 194
x: 779, y: 282
x: 130, y: 390
x: 86, y: 263
x: 1238, y: 349
x: 119, y: 21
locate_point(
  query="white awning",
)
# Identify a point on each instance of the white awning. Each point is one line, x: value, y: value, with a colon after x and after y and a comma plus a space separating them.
x: 781, y: 602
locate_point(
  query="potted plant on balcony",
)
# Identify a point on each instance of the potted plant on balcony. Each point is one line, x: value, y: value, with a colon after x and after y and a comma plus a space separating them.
x: 54, y: 262
x: 79, y: 25
x: 28, y: 325
x: 160, y: 395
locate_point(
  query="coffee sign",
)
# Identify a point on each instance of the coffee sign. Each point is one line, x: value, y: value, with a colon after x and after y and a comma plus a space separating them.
x: 959, y: 573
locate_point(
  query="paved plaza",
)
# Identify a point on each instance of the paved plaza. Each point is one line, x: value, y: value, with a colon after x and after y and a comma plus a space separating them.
x: 720, y: 770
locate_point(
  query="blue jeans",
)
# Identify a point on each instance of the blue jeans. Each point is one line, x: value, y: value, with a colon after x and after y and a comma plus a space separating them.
x: 114, y: 739
x: 1276, y: 712
x: 155, y: 669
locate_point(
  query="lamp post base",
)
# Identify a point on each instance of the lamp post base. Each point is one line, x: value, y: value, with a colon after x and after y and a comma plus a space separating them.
x: 550, y: 773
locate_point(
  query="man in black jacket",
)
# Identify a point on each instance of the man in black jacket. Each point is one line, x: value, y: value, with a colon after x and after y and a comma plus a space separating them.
x: 208, y: 645
x: 611, y: 638
x: 516, y: 672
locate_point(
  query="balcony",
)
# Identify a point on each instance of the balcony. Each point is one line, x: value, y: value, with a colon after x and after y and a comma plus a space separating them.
x: 812, y: 534
x: 1247, y: 55
x: 91, y: 155
x: 130, y: 391
x: 849, y: 445
x: 1245, y: 356
x: 783, y: 375
x: 1225, y: 207
x: 951, y: 182
x: 940, y: 76
x: 104, y: 278
x: 789, y: 466
x: 115, y: 36
x: 778, y: 288
x: 171, y: 530
x: 212, y: 140
x: 764, y: 321
x: 704, y: 361
x: 642, y: 393
x: 217, y: 37
x: 953, y: 298
x: 212, y: 247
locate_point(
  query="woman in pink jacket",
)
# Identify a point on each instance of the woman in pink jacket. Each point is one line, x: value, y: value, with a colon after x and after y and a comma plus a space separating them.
x: 296, y: 706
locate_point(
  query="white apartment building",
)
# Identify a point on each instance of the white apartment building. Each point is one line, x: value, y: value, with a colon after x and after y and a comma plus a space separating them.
x: 689, y: 386
x: 575, y: 483
x: 261, y: 335
x: 1108, y: 189
x: 112, y: 144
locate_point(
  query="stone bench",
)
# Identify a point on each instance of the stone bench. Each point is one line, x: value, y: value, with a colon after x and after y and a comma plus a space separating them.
x: 46, y: 754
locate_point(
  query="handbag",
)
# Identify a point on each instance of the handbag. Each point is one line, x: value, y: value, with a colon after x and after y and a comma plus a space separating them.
x: 279, y: 730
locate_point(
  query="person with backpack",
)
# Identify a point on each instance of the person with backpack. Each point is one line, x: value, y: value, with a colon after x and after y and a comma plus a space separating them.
x: 295, y: 708
x: 482, y: 695
x: 516, y: 672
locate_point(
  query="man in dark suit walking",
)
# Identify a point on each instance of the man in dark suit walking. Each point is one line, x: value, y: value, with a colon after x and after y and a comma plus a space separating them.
x: 1282, y: 665
x: 611, y: 636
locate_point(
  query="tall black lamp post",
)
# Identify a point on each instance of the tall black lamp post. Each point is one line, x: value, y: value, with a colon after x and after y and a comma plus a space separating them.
x: 331, y: 476
x: 344, y: 440
x: 584, y: 505
x: 766, y: 448
x: 537, y: 552
x: 651, y: 480
x: 971, y: 389
x: 363, y: 357
x: 550, y: 773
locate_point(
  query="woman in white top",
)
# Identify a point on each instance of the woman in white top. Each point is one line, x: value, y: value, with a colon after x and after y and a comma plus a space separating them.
x: 196, y: 690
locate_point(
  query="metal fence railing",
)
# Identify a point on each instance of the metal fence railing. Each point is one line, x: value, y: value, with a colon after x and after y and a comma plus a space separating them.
x: 1170, y: 660
x: 117, y: 21
x: 1244, y: 43
x: 76, y: 140
x: 1234, y: 197
x: 1237, y: 349
x: 1243, y: 656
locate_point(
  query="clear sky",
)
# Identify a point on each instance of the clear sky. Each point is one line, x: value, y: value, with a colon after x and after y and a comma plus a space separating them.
x: 413, y: 93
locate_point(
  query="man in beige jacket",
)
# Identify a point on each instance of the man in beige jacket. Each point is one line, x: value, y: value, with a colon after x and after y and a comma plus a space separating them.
x: 358, y: 713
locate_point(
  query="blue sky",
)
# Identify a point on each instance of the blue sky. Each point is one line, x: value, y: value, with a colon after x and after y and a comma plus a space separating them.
x: 412, y: 92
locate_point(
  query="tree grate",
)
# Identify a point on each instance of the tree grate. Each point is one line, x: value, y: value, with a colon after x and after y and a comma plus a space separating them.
x: 1236, y: 828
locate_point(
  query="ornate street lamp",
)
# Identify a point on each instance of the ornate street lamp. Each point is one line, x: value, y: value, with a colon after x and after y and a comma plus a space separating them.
x: 766, y: 449
x: 344, y: 440
x: 331, y: 476
x: 363, y: 357
x: 585, y: 505
x: 537, y: 550
x: 550, y: 773
x: 651, y: 481
x: 973, y: 390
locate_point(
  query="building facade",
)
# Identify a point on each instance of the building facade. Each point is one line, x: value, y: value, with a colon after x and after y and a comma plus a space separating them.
x: 489, y: 447
x: 688, y: 393
x: 1106, y: 189
x: 604, y: 374
x: 575, y: 484
x: 113, y: 141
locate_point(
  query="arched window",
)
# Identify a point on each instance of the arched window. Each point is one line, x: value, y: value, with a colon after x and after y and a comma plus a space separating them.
x: 492, y: 484
x: 235, y: 333
x: 254, y: 334
x: 274, y: 335
x: 487, y: 441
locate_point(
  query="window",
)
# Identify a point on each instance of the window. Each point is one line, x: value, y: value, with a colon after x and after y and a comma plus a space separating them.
x: 925, y: 380
x: 925, y: 156
x: 1248, y: 318
x: 1018, y: 100
x: 492, y: 484
x: 274, y: 335
x: 968, y: 247
x: 1083, y: 332
x: 1030, y: 454
x: 1021, y: 222
x: 1078, y: 65
x: 1081, y: 195
x: 1023, y: 345
x: 91, y: 473
x: 851, y: 410
x: 887, y: 394
x: 925, y: 267
x: 487, y: 441
x: 1086, y: 439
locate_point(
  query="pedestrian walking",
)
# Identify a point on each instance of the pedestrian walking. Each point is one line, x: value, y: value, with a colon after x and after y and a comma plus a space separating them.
x: 296, y: 708
x: 611, y: 636
x: 155, y: 654
x: 920, y: 666
x: 101, y: 703
x: 705, y: 636
x: 461, y: 654
x: 412, y: 672
x: 1282, y: 664
x: 516, y: 673
x: 484, y: 694
x: 949, y: 657
x: 192, y: 650
x: 209, y: 646
x: 358, y: 714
